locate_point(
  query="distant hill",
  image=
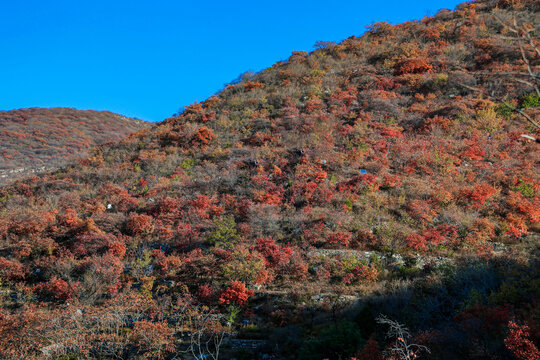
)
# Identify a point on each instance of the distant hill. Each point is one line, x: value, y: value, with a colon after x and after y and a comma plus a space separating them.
x: 37, y: 139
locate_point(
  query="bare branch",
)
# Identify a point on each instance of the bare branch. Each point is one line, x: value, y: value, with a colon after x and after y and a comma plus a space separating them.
x: 522, y: 113
x: 402, y: 348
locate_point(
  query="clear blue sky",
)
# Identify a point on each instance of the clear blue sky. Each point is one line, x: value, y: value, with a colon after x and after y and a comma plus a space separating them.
x: 148, y: 58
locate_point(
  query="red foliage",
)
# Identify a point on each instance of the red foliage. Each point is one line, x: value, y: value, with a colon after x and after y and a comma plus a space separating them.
x: 251, y: 85
x: 513, y: 232
x: 55, y: 288
x: 97, y: 243
x: 518, y: 342
x: 203, y: 136
x: 358, y: 183
x: 480, y: 231
x: 168, y: 208
x: 421, y: 210
x: 473, y: 152
x: 480, y: 193
x: 298, y: 56
x: 313, y: 105
x: 339, y: 238
x: 205, y: 292
x: 166, y: 263
x: 310, y: 171
x: 154, y: 338
x: 528, y: 208
x: 391, y: 181
x: 119, y: 197
x: 437, y: 122
x: 274, y: 254
x: 11, y: 270
x: 185, y: 232
x: 386, y: 84
x: 440, y: 234
x: 346, y: 97
x: 297, y: 268
x: 417, y: 242
x: 412, y: 66
x: 432, y: 237
x: 260, y: 139
x: 362, y: 272
x: 237, y: 294
x: 70, y: 219
x: 271, y: 198
x: 140, y: 224
x: 392, y: 133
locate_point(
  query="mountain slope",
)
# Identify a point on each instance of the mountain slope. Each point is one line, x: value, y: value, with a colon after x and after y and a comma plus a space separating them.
x: 385, y: 174
x: 32, y: 140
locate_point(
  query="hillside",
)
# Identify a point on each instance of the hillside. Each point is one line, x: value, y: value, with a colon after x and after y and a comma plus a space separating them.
x: 37, y: 139
x: 385, y: 175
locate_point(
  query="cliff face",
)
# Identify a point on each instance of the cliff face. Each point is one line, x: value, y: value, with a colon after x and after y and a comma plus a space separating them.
x: 35, y: 140
x: 385, y: 174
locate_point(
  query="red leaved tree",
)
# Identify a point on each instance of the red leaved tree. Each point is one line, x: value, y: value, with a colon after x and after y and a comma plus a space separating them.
x: 518, y: 342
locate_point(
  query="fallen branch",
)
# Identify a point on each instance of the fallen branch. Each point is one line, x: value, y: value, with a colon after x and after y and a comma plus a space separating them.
x: 513, y: 108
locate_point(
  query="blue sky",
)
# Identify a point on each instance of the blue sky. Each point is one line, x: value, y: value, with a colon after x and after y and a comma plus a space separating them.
x: 148, y: 58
